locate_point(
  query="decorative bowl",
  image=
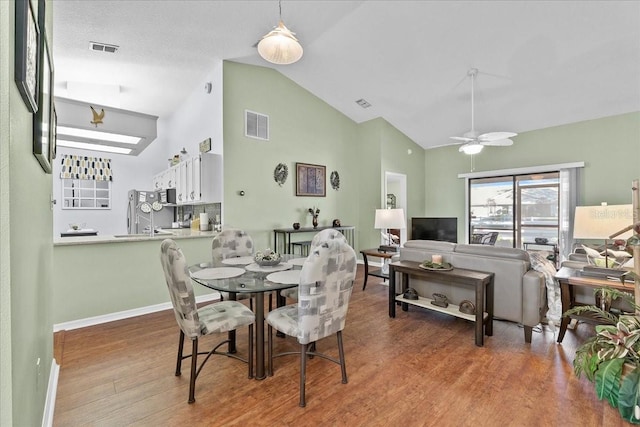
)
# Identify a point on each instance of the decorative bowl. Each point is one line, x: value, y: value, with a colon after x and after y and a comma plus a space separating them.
x: 267, y: 258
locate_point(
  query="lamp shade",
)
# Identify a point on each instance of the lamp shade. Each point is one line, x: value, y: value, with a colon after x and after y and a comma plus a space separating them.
x: 471, y: 148
x: 389, y: 218
x: 280, y: 46
x: 600, y: 222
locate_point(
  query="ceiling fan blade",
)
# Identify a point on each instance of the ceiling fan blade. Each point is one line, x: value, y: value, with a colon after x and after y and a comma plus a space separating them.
x: 499, y: 142
x: 462, y: 138
x: 493, y: 136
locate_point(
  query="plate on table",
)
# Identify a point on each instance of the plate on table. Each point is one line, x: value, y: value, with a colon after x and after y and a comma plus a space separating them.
x: 297, y: 261
x: 434, y: 266
x: 289, y: 277
x: 268, y: 268
x: 218, y: 273
x: 239, y: 260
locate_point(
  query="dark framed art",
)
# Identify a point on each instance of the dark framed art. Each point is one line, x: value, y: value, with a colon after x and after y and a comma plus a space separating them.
x: 27, y: 56
x: 42, y: 128
x: 310, y: 180
x: 53, y: 146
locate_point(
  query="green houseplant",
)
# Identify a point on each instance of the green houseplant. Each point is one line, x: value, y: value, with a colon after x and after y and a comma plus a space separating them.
x: 607, y: 358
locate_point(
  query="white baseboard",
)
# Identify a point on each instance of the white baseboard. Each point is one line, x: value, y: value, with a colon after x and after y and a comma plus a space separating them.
x: 52, y: 389
x: 96, y: 320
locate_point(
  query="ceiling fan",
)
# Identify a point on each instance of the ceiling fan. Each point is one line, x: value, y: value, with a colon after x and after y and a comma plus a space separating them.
x: 473, y: 141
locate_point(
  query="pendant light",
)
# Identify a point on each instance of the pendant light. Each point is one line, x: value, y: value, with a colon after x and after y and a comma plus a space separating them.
x: 280, y: 46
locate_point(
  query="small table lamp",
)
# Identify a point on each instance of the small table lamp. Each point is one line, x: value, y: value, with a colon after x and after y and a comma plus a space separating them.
x: 386, y: 219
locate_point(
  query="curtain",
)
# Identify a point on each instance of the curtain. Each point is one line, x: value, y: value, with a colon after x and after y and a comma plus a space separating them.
x: 83, y: 167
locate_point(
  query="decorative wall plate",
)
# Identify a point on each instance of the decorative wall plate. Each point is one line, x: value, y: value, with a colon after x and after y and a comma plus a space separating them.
x: 335, y: 180
x: 280, y: 173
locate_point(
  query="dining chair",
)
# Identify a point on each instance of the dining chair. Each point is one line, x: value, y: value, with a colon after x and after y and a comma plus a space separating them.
x: 324, y: 290
x: 232, y: 243
x: 327, y: 234
x: 194, y: 322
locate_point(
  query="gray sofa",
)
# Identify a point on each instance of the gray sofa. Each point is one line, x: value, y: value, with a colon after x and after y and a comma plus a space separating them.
x: 519, y: 291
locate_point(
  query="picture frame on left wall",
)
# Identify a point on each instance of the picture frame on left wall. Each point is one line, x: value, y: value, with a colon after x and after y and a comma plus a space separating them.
x: 42, y: 124
x: 27, y: 56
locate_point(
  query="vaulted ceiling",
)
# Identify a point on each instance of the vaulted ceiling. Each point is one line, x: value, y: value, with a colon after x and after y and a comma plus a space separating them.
x: 541, y: 63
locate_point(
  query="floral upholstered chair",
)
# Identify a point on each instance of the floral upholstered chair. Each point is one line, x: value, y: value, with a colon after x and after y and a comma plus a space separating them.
x: 326, y: 282
x: 327, y: 234
x: 195, y: 322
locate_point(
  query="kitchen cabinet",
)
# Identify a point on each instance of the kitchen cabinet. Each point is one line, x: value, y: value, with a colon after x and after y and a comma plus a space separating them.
x: 165, y: 179
x: 198, y: 179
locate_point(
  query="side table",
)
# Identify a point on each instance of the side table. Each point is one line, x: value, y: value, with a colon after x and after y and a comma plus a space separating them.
x: 378, y: 271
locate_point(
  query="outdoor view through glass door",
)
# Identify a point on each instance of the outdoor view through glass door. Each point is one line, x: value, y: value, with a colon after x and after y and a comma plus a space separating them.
x: 520, y: 208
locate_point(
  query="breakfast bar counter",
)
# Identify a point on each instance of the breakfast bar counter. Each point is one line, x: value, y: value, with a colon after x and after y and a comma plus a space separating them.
x: 173, y: 233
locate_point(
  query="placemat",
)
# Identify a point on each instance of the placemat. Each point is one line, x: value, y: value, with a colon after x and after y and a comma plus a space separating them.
x: 239, y: 260
x: 290, y: 277
x: 268, y: 268
x: 218, y: 273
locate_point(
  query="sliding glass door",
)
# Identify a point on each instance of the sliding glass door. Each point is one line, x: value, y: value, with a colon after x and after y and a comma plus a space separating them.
x: 520, y: 208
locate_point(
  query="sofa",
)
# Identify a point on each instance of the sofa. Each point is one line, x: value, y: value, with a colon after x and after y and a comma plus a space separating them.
x: 519, y: 291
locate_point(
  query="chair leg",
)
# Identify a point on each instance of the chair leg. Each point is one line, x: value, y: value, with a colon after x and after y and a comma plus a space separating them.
x: 343, y: 366
x: 194, y: 363
x: 303, y: 373
x: 269, y: 350
x: 250, y: 356
x: 180, y: 348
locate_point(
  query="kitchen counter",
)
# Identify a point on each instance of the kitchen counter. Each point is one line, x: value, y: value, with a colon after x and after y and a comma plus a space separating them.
x: 172, y: 233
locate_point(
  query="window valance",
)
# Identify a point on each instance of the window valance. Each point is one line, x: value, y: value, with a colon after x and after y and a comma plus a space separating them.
x: 84, y: 167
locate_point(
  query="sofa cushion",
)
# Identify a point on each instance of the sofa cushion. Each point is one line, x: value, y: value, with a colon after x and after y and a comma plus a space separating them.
x: 492, y: 251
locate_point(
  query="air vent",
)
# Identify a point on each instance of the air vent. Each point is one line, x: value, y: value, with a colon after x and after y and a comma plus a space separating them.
x: 364, y: 104
x: 103, y: 47
x: 256, y: 125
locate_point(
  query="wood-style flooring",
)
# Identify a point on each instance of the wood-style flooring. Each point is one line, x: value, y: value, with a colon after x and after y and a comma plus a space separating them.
x: 419, y: 369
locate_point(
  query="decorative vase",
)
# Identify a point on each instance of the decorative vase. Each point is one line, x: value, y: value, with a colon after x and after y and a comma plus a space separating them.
x: 296, y: 225
x: 315, y: 222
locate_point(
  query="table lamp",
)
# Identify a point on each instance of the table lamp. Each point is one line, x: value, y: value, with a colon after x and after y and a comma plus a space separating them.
x: 387, y: 219
x: 600, y: 222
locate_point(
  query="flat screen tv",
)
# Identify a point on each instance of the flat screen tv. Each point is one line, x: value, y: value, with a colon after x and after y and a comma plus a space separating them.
x: 442, y: 229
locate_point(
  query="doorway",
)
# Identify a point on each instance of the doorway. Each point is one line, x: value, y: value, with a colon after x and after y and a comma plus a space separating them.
x: 395, y: 197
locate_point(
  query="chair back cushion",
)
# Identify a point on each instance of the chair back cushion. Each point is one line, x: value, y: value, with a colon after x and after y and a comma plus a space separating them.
x: 327, y: 234
x: 179, y: 283
x: 326, y: 281
x: 231, y: 243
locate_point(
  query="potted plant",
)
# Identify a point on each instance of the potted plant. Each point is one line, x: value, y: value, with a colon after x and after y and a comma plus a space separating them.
x: 611, y: 359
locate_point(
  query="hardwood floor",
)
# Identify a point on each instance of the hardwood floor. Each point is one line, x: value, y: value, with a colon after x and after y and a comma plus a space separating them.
x: 419, y: 369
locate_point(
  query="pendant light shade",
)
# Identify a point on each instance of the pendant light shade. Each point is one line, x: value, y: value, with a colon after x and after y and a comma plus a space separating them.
x: 280, y: 46
x: 471, y: 148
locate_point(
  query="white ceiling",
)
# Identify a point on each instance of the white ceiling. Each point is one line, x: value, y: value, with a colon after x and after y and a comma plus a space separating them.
x: 541, y: 63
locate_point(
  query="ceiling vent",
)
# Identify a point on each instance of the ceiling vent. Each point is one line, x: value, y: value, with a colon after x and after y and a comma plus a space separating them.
x: 103, y: 47
x: 364, y: 104
x: 256, y: 125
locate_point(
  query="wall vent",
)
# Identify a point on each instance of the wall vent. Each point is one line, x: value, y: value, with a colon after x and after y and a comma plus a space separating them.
x: 103, y: 47
x: 256, y: 125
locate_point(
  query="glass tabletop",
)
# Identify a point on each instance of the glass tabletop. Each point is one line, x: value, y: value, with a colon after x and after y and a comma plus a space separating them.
x: 237, y: 279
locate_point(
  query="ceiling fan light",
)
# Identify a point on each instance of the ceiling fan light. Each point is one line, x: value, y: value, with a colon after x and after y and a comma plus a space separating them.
x: 471, y: 148
x: 280, y: 46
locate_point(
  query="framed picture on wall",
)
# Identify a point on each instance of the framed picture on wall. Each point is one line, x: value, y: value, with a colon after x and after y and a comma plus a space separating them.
x: 54, y: 132
x: 42, y: 126
x: 26, y: 56
x: 310, y: 180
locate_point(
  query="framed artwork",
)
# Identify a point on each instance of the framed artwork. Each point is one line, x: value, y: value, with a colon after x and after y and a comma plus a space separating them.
x: 310, y: 180
x: 53, y: 147
x: 42, y: 128
x: 27, y: 56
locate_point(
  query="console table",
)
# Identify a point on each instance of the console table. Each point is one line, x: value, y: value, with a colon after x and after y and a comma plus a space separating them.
x: 349, y: 232
x: 482, y: 283
x: 569, y: 279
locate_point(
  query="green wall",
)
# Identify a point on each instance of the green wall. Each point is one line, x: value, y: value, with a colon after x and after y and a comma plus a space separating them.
x: 26, y: 230
x: 609, y: 147
x: 304, y: 129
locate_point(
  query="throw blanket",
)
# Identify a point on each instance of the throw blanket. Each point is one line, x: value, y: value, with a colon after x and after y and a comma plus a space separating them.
x: 539, y: 262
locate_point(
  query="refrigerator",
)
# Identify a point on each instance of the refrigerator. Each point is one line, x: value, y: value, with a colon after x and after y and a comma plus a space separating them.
x: 142, y: 206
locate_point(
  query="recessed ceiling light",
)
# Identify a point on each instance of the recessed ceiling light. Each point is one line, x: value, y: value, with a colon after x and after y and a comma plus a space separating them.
x: 94, y: 147
x: 102, y: 136
x: 364, y: 104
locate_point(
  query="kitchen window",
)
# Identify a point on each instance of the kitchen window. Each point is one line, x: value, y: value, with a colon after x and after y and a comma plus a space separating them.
x: 86, y: 194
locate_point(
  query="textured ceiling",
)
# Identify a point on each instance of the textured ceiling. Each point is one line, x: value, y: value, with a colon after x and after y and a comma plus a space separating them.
x: 541, y: 63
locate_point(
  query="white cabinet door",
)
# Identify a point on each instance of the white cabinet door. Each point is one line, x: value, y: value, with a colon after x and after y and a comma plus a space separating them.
x: 182, y: 196
x: 193, y: 166
x: 170, y: 177
x: 158, y: 181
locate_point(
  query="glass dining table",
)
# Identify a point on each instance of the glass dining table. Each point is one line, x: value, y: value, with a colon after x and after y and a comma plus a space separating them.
x: 242, y: 275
